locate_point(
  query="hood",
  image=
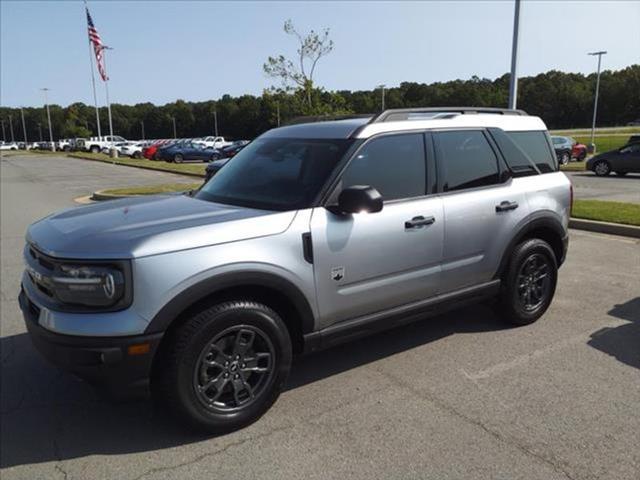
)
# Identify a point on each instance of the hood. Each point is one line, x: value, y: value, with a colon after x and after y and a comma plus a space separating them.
x: 137, y: 227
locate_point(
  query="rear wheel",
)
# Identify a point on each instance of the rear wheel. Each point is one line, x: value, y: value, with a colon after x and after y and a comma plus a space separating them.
x: 565, y: 157
x: 529, y: 283
x: 602, y: 168
x: 224, y: 367
x: 95, y: 149
x: 178, y: 158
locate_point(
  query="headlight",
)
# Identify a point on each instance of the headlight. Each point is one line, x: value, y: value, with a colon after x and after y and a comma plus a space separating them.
x: 94, y: 286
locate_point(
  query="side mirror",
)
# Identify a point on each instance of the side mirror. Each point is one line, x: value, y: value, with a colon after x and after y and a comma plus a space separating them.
x: 359, y: 199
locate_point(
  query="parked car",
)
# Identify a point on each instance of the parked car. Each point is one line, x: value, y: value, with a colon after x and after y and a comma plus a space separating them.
x: 213, y: 142
x: 131, y: 149
x: 166, y: 151
x: 621, y: 161
x: 306, y: 239
x: 634, y: 123
x: 213, y: 168
x: 8, y: 146
x: 231, y: 150
x: 190, y: 151
x: 149, y: 152
x: 634, y: 139
x: 96, y: 144
x: 567, y: 148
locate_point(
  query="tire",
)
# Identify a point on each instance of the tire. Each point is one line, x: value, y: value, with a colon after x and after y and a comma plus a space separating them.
x: 565, y: 158
x: 137, y: 155
x: 230, y: 326
x: 516, y: 306
x: 94, y: 149
x: 67, y: 148
x: 602, y: 168
x: 178, y: 158
x: 582, y: 156
x: 621, y: 174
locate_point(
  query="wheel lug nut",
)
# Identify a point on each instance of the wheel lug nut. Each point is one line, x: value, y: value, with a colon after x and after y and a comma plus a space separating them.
x: 236, y: 376
x: 226, y: 375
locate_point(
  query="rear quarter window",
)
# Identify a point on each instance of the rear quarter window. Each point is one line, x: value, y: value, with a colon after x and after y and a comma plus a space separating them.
x: 537, y: 147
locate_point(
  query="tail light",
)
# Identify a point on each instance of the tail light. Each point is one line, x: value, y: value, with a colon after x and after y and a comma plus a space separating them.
x: 570, y: 199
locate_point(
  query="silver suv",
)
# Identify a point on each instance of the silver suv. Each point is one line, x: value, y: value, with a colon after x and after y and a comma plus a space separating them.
x: 314, y: 234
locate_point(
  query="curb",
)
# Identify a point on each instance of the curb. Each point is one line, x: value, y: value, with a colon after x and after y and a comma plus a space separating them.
x: 99, y: 196
x: 187, y: 174
x: 605, y: 227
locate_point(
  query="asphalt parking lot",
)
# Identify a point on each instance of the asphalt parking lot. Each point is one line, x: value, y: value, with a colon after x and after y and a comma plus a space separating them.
x: 458, y: 396
x: 613, y: 188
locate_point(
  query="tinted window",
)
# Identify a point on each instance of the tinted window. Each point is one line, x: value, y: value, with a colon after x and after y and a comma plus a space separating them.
x: 631, y: 148
x: 276, y: 173
x: 557, y: 140
x: 535, y: 145
x: 394, y: 165
x: 466, y: 160
x: 518, y: 161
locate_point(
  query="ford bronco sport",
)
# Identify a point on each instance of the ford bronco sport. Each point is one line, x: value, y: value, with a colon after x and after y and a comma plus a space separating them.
x: 314, y: 234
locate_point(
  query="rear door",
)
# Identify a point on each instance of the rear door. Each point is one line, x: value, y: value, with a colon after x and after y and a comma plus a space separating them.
x: 365, y: 263
x: 629, y: 159
x: 482, y: 206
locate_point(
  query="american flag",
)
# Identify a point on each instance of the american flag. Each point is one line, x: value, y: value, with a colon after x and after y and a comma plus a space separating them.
x: 98, y: 47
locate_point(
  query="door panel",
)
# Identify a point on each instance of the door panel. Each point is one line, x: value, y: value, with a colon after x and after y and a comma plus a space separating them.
x: 365, y: 263
x: 476, y: 234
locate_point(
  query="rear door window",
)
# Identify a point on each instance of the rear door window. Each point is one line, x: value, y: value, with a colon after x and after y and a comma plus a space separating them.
x: 537, y: 148
x: 466, y: 160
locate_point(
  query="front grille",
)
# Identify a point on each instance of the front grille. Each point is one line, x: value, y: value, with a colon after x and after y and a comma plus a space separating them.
x: 40, y: 269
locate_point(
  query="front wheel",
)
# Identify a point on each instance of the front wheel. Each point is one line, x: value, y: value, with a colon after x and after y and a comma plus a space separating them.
x: 565, y: 158
x: 178, y: 158
x: 529, y: 283
x: 602, y: 168
x: 224, y: 367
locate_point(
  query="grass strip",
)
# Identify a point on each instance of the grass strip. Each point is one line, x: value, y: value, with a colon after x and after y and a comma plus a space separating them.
x: 192, y: 169
x: 603, y: 211
x: 152, y: 189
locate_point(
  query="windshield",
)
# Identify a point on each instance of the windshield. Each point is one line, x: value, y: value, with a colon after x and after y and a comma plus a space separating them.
x: 276, y: 173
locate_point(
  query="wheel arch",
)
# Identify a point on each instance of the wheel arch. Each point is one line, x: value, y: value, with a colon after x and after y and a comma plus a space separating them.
x: 274, y: 291
x: 546, y: 228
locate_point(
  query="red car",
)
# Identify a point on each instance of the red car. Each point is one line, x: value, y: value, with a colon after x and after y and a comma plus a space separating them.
x: 579, y: 151
x: 150, y: 152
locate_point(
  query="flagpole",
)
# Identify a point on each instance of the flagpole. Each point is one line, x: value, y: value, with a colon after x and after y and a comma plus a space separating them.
x: 93, y: 82
x: 106, y: 88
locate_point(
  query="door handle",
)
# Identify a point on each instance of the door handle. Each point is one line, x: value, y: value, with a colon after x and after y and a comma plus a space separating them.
x: 420, y: 221
x: 506, y: 206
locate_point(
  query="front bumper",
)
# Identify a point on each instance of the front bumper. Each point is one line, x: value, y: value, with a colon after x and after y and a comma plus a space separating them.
x: 120, y: 365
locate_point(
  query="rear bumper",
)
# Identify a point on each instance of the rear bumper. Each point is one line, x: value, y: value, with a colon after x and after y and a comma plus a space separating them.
x: 106, y: 362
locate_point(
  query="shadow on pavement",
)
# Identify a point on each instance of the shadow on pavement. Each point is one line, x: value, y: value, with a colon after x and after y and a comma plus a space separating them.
x: 623, y: 342
x: 48, y: 415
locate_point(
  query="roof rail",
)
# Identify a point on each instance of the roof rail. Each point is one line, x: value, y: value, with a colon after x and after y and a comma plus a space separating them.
x: 402, y: 114
x: 326, y: 118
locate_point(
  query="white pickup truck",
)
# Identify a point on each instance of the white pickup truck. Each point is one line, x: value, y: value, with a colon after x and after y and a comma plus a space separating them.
x: 214, y: 142
x: 96, y: 144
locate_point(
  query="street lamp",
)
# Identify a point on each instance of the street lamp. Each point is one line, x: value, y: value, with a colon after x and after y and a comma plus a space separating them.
x: 11, y: 129
x: 24, y: 129
x: 173, y: 119
x: 592, y: 147
x: 513, y: 80
x: 46, y: 103
x: 142, y: 128
x: 381, y: 86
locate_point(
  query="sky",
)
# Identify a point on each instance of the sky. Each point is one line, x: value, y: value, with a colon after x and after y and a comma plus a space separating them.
x: 201, y: 50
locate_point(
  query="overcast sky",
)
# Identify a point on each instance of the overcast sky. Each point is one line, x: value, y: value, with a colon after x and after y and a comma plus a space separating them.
x: 201, y: 50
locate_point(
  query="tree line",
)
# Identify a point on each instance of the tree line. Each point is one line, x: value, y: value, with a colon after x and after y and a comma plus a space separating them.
x: 562, y: 100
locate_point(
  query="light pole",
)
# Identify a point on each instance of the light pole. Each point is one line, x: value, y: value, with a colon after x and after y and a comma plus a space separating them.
x: 4, y: 137
x: 142, y: 128
x: 40, y: 131
x: 46, y: 103
x: 513, y: 81
x: 592, y: 147
x: 278, y: 112
x: 24, y: 129
x: 11, y: 128
x: 215, y: 122
x: 173, y: 119
x: 381, y: 86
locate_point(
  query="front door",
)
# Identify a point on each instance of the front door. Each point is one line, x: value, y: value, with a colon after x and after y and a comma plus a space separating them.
x: 366, y: 263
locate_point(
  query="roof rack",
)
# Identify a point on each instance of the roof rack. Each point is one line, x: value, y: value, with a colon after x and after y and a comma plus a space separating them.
x: 403, y: 114
x: 326, y: 118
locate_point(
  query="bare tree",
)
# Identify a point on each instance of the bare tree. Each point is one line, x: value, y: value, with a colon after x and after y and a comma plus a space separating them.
x: 312, y: 47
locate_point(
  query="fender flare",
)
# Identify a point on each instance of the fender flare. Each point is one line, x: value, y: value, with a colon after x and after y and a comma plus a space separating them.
x: 210, y: 286
x: 546, y: 221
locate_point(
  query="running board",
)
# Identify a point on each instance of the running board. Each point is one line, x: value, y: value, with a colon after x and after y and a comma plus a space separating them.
x: 375, y: 322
